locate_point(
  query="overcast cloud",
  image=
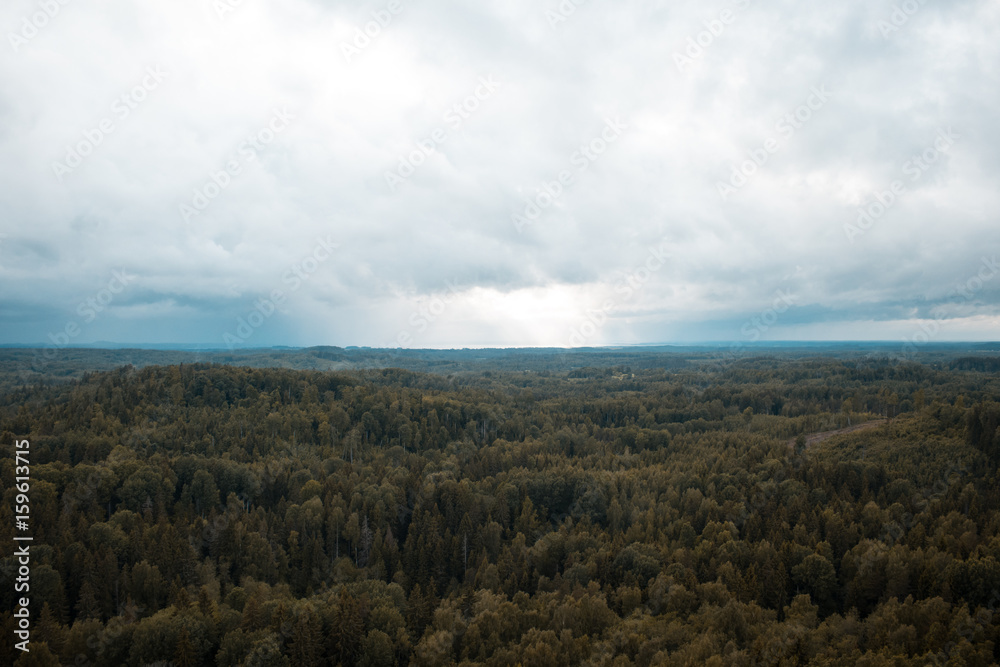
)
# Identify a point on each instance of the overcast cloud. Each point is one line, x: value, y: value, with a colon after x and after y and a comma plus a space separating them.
x: 498, y: 174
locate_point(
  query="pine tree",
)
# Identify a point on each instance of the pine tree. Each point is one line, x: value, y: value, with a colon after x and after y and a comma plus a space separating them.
x: 252, y: 618
x: 87, y: 605
x: 184, y: 651
x: 305, y: 648
x: 50, y: 630
x: 348, y: 629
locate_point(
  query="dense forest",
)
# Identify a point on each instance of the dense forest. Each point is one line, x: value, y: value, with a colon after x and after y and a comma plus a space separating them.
x: 677, y: 511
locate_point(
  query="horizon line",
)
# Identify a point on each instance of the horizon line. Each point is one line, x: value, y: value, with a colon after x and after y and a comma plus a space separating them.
x: 183, y: 347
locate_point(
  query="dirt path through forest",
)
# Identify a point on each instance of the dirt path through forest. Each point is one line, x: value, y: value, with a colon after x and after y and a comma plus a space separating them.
x: 815, y: 438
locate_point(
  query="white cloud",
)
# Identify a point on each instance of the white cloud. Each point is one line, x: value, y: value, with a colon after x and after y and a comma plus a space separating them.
x: 451, y: 219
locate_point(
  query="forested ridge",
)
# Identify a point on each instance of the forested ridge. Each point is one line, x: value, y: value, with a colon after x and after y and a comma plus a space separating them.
x: 611, y: 515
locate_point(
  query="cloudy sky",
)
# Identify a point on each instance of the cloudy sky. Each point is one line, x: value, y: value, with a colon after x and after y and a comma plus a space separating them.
x: 431, y: 173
